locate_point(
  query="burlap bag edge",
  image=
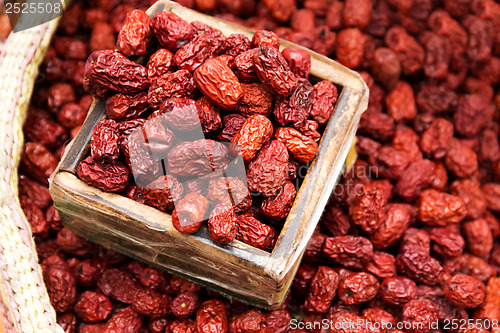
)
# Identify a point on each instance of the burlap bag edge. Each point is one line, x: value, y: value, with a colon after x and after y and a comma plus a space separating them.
x: 26, y: 304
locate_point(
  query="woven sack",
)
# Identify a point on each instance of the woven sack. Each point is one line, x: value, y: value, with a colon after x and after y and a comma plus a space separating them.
x: 24, y: 302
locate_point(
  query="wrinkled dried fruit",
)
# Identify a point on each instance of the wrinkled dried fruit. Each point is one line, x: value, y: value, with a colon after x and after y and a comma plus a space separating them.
x: 218, y: 82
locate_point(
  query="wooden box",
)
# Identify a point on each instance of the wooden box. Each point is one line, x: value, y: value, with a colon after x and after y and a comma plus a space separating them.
x: 236, y: 270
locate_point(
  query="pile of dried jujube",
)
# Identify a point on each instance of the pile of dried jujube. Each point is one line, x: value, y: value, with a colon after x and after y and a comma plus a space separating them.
x: 411, y: 232
x: 164, y: 120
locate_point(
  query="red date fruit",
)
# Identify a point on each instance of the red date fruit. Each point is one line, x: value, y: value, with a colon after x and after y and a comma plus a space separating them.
x: 492, y: 195
x: 378, y: 125
x: 71, y: 48
x: 349, y: 251
x: 309, y: 128
x: 171, y: 31
x: 34, y: 215
x: 118, y: 285
x: 93, y: 307
x: 71, y: 115
x: 417, y: 176
x: 74, y: 244
x: 437, y: 137
x: 133, y: 38
x: 102, y: 37
x: 470, y: 116
x: 244, y: 67
x: 302, y: 148
x: 38, y: 161
x: 158, y: 325
x: 222, y: 224
x: 189, y: 213
x: 107, y: 177
x: 196, y: 52
x: 267, y: 172
x: 109, y: 71
x: 197, y: 158
x: 470, y: 265
x: 350, y: 47
x: 253, y: 134
x: 218, y: 82
x: 278, y: 321
x: 398, y: 290
x: 479, y: 237
x: 248, y: 322
x: 416, y: 263
x: 313, y: 253
x: 358, y: 288
x: 125, y: 320
x: 151, y: 303
x: 87, y: 272
x: 128, y: 126
x: 232, y: 123
x: 157, y: 137
x: 273, y: 71
x: 447, y: 242
x: 419, y: 311
x: 322, y: 290
x: 209, y: 116
x: 253, y: 232
x: 410, y: 52
x: 236, y: 44
x: 382, y: 265
x: 302, y: 279
x: 182, y: 326
x: 45, y: 131
x: 440, y: 209
x: 104, y: 141
x: 163, y: 193
x: 161, y: 62
x: 125, y: 107
x: 38, y: 193
x: 293, y: 169
x: 336, y: 221
x: 61, y: 287
x: 232, y: 190
x: 278, y: 207
x: 60, y: 94
x: 296, y: 107
x: 368, y: 209
x: 211, y: 317
x: 325, y: 98
x: 265, y: 38
x: 390, y: 161
x: 256, y: 99
x: 185, y: 304
x: 180, y: 114
x: 397, y: 219
x: 205, y: 29
x: 299, y: 61
x: 464, y: 291
x: 386, y: 67
x: 461, y: 160
x: 67, y: 321
x: 151, y: 278
x: 400, y: 102
x: 417, y: 237
x: 170, y: 85
x: 357, y: 13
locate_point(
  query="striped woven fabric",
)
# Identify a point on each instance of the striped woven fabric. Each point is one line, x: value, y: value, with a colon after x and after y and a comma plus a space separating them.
x: 24, y: 302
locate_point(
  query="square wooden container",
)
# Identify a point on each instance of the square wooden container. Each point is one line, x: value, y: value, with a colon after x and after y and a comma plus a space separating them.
x: 236, y: 270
